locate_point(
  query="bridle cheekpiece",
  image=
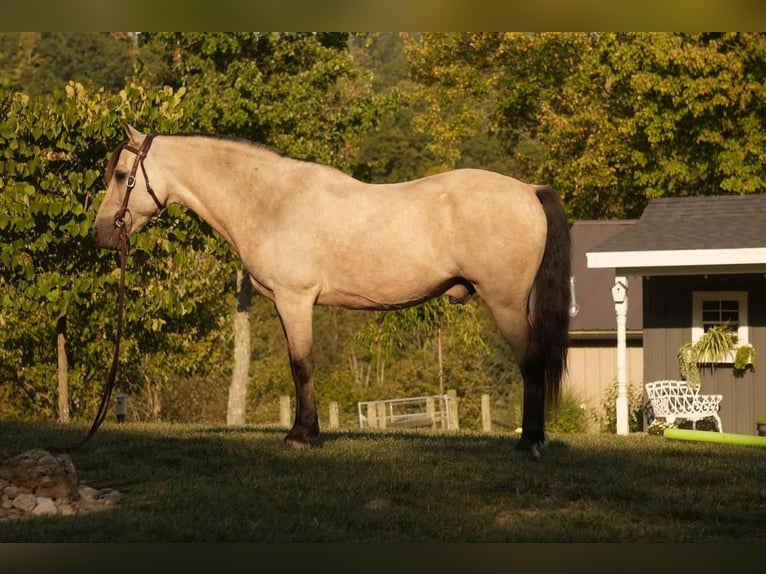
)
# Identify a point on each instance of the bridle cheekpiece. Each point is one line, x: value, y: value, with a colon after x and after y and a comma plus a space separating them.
x: 141, y: 152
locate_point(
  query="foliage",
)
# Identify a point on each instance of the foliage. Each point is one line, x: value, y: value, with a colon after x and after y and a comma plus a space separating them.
x: 53, y: 149
x: 607, y: 418
x: 745, y: 357
x: 393, y: 151
x: 714, y: 346
x: 611, y: 120
x: 569, y: 416
x: 38, y: 63
x: 297, y: 92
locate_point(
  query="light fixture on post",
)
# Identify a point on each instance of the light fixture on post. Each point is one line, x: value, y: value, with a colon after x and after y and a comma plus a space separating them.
x: 574, y: 308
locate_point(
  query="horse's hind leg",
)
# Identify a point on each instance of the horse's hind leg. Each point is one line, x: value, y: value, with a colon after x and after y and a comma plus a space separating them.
x: 295, y: 314
x: 533, y: 418
x: 514, y: 326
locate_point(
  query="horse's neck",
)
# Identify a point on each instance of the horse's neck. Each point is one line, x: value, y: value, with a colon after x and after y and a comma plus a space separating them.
x: 227, y: 184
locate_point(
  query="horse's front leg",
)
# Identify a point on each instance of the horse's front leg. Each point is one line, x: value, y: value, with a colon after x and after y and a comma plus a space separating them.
x: 295, y: 314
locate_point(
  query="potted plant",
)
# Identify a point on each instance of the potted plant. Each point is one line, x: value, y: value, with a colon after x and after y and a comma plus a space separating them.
x: 744, y: 358
x: 717, y: 345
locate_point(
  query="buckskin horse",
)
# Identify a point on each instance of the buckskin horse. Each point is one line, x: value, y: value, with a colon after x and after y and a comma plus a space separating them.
x: 309, y: 234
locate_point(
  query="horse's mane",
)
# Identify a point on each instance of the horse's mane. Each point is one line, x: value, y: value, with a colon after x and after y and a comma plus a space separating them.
x: 112, y: 163
x: 233, y: 139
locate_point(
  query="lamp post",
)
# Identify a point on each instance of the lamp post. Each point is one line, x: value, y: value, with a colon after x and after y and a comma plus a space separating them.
x: 620, y: 298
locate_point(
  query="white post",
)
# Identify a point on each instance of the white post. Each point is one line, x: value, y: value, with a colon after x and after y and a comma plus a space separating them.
x: 620, y: 298
x: 334, y: 415
x: 284, y: 411
x: 486, y: 415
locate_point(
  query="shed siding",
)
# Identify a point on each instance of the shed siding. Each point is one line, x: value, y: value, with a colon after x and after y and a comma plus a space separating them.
x: 592, y: 369
x: 667, y: 326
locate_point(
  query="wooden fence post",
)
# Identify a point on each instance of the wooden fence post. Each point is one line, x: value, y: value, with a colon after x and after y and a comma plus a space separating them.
x: 284, y: 411
x: 486, y: 416
x: 334, y: 418
x: 382, y: 422
x: 431, y: 411
x: 372, y: 415
x: 452, y: 406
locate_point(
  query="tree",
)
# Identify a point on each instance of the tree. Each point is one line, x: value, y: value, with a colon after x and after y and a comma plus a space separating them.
x: 235, y: 411
x: 38, y: 63
x: 297, y: 92
x: 56, y: 286
x: 610, y: 120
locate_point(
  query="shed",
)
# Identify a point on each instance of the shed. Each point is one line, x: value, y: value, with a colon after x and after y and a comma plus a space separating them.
x: 702, y: 261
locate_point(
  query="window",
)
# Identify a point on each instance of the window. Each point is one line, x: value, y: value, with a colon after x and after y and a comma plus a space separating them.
x: 711, y: 308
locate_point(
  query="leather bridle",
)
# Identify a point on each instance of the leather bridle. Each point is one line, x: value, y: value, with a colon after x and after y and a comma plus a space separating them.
x: 120, y: 222
x: 141, y: 152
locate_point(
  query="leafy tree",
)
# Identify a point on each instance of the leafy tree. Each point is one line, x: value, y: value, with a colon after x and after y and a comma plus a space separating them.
x: 52, y: 153
x: 37, y: 63
x: 610, y: 120
x: 297, y: 92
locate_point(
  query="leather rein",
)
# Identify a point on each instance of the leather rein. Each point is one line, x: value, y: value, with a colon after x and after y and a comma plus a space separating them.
x: 122, y: 222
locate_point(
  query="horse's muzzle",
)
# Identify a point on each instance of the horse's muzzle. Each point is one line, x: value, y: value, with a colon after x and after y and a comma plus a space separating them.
x: 107, y: 237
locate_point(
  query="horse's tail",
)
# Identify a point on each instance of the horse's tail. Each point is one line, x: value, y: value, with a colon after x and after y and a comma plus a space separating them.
x: 549, y: 312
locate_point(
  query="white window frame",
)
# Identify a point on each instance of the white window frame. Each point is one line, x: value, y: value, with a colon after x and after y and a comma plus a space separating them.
x: 743, y: 329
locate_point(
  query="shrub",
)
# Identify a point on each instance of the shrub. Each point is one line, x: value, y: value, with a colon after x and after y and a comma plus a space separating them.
x: 607, y: 420
x: 569, y: 416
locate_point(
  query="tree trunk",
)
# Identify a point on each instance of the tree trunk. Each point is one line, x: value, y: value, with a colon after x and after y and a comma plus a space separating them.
x: 235, y: 413
x: 63, y: 370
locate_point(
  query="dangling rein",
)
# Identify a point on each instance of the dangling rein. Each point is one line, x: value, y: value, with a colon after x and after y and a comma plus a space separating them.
x: 122, y: 222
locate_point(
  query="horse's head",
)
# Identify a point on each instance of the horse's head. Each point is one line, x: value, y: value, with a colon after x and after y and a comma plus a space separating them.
x: 130, y: 200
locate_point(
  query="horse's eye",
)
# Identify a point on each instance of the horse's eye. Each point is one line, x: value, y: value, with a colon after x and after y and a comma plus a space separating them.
x: 120, y: 176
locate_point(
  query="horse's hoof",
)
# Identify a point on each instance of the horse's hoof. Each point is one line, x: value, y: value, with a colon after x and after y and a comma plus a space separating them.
x: 533, y: 454
x: 292, y: 442
x: 530, y: 447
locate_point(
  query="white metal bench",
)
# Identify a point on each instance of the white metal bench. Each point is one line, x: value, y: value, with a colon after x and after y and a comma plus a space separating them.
x: 676, y: 399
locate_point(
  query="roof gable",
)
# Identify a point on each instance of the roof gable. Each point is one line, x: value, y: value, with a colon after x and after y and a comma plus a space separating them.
x: 699, y: 234
x: 715, y: 222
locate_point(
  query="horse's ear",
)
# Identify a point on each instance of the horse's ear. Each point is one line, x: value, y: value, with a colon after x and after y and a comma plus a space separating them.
x: 134, y: 136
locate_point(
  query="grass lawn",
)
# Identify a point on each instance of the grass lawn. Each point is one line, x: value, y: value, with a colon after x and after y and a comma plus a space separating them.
x: 184, y: 483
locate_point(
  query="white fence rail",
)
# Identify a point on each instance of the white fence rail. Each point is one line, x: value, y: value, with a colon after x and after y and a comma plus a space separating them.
x: 434, y: 411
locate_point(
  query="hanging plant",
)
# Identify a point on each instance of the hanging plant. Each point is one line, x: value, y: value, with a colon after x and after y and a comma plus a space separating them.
x: 745, y: 357
x: 687, y: 364
x: 715, y: 346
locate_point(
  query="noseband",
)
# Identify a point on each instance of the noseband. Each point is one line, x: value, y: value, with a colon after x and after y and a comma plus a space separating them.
x: 141, y: 152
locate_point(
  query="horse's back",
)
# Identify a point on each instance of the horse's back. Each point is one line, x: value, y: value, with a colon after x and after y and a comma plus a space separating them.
x: 393, y: 244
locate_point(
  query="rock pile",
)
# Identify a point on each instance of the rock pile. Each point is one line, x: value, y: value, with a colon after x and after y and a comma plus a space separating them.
x: 38, y: 483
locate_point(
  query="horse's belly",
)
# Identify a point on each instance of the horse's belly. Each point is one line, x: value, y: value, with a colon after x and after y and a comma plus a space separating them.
x: 384, y: 295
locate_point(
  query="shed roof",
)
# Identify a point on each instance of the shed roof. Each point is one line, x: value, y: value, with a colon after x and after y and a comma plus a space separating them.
x: 682, y: 235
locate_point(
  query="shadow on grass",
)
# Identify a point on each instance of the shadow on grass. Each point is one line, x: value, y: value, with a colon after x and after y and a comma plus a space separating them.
x: 186, y: 483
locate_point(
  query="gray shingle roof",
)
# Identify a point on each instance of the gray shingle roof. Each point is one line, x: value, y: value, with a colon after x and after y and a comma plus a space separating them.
x: 714, y: 222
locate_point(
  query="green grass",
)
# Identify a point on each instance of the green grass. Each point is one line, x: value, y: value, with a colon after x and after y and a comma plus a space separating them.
x: 186, y: 483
